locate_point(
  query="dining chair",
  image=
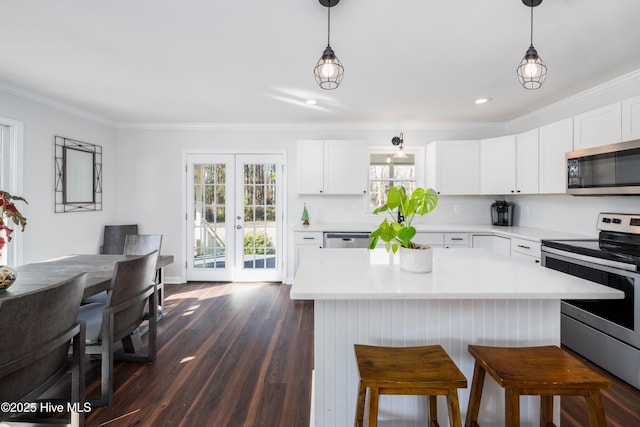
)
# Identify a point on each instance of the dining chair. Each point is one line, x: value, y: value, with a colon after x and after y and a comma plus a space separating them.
x: 112, y: 322
x: 37, y: 331
x: 114, y: 237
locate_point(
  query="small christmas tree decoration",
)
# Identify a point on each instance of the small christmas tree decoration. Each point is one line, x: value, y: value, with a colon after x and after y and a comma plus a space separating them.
x: 305, y: 215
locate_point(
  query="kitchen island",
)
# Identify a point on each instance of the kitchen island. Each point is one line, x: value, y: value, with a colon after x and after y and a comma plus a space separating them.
x: 472, y: 296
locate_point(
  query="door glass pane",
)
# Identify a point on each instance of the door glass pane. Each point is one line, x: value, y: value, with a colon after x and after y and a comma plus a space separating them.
x: 209, y: 216
x: 259, y: 248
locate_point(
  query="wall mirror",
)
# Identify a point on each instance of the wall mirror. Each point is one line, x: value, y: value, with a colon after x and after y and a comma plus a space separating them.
x: 78, y: 175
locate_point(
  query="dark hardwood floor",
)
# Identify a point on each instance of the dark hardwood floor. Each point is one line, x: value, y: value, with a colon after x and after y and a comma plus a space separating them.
x: 241, y: 355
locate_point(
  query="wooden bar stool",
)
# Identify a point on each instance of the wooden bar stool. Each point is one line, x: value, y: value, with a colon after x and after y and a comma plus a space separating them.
x: 540, y: 371
x: 426, y: 370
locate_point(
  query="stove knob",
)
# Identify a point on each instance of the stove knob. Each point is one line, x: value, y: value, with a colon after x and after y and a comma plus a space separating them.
x: 606, y: 220
x: 617, y: 221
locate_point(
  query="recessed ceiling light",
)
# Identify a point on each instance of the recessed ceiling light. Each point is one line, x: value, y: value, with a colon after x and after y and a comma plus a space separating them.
x: 311, y: 102
x: 481, y: 101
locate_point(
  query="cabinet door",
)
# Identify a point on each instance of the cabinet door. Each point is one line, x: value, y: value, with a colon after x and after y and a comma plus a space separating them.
x: 498, y: 165
x: 555, y: 141
x: 527, y: 165
x: 598, y: 127
x: 310, y: 165
x: 453, y: 167
x: 631, y: 119
x: 345, y: 167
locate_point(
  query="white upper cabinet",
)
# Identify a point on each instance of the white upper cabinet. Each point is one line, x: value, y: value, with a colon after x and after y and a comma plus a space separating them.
x: 631, y: 119
x: 527, y: 162
x: 498, y: 165
x: 598, y: 127
x: 509, y: 164
x: 555, y: 141
x: 453, y: 167
x: 310, y: 166
x: 332, y: 167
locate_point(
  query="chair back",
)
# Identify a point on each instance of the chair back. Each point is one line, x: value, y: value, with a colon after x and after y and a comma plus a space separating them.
x: 114, y: 237
x: 131, y: 284
x: 142, y: 244
x: 35, y: 338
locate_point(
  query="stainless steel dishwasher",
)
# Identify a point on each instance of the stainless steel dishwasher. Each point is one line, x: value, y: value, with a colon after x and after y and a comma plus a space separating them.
x: 346, y: 240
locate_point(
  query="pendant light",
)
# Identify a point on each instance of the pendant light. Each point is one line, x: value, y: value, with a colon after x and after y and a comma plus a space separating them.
x: 329, y: 69
x: 532, y: 71
x: 398, y: 141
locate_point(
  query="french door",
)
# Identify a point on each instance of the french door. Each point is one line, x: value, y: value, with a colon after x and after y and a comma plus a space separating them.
x: 234, y: 217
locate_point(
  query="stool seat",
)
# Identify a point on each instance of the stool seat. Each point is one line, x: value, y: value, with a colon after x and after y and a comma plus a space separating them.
x: 424, y: 370
x: 544, y: 371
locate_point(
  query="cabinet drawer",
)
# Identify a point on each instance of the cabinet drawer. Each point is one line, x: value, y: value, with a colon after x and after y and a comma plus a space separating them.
x: 309, y: 238
x: 525, y: 247
x: 429, y: 239
x: 456, y: 239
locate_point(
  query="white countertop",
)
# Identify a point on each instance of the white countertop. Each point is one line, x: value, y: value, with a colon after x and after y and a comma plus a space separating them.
x: 529, y: 233
x: 337, y: 274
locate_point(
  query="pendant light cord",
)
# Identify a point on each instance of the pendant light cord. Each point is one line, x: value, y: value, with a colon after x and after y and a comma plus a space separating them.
x: 531, y: 24
x: 329, y: 24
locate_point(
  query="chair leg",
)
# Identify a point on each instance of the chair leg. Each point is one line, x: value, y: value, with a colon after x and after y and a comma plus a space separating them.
x: 511, y: 408
x: 596, y: 410
x: 362, y: 394
x: 546, y: 410
x: 373, y: 406
x: 475, y: 395
x: 453, y: 404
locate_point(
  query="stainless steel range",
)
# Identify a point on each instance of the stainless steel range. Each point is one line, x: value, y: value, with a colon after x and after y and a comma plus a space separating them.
x: 605, y: 331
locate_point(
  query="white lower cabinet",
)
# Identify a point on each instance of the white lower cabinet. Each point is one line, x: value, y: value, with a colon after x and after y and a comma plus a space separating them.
x: 525, y: 249
x: 498, y: 244
x: 435, y: 240
x: 305, y: 240
x: 456, y: 240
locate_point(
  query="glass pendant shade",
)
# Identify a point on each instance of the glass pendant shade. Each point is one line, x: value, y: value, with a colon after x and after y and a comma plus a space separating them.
x: 532, y: 70
x: 329, y: 70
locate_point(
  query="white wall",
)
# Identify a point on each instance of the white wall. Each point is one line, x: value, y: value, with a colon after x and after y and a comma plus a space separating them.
x: 50, y: 234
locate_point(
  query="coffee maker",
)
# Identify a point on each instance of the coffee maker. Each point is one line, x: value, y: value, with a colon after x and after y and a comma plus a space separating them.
x: 502, y: 213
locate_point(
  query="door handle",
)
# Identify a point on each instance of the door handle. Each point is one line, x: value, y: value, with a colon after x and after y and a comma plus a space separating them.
x: 238, y: 226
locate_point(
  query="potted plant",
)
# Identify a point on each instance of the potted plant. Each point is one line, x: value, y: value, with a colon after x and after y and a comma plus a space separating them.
x: 397, y: 230
x: 9, y: 211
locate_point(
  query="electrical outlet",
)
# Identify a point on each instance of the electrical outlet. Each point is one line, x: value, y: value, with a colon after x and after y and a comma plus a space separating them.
x: 456, y: 209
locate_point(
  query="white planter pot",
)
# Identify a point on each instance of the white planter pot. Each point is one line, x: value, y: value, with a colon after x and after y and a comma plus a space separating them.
x: 419, y: 260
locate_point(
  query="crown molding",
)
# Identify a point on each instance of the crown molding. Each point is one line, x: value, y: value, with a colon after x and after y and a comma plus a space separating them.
x: 631, y: 77
x: 57, y: 105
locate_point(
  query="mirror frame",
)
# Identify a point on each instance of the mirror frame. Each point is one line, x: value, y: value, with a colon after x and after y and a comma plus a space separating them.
x: 73, y: 157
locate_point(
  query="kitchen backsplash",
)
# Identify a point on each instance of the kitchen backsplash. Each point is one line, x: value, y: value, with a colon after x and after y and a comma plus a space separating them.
x: 553, y: 212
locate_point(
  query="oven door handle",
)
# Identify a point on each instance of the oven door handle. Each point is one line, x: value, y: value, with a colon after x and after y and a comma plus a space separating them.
x: 590, y: 259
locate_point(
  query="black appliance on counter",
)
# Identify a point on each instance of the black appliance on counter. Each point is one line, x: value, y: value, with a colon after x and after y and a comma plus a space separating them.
x: 605, y: 331
x: 502, y: 213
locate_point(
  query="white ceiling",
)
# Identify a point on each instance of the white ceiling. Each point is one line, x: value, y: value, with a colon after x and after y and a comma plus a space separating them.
x: 251, y: 61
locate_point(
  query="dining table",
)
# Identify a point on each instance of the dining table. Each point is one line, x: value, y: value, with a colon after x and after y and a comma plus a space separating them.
x: 98, y: 268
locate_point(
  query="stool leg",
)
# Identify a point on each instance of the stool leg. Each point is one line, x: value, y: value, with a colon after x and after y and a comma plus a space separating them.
x: 362, y: 393
x: 373, y: 406
x: 433, y: 410
x: 453, y: 403
x: 596, y: 410
x: 511, y: 408
x: 546, y: 410
x: 474, y: 396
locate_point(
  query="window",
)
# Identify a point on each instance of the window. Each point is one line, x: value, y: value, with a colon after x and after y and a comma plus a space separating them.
x: 11, y: 133
x: 386, y: 171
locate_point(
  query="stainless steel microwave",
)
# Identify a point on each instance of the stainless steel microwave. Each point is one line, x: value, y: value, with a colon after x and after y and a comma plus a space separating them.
x: 608, y: 170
